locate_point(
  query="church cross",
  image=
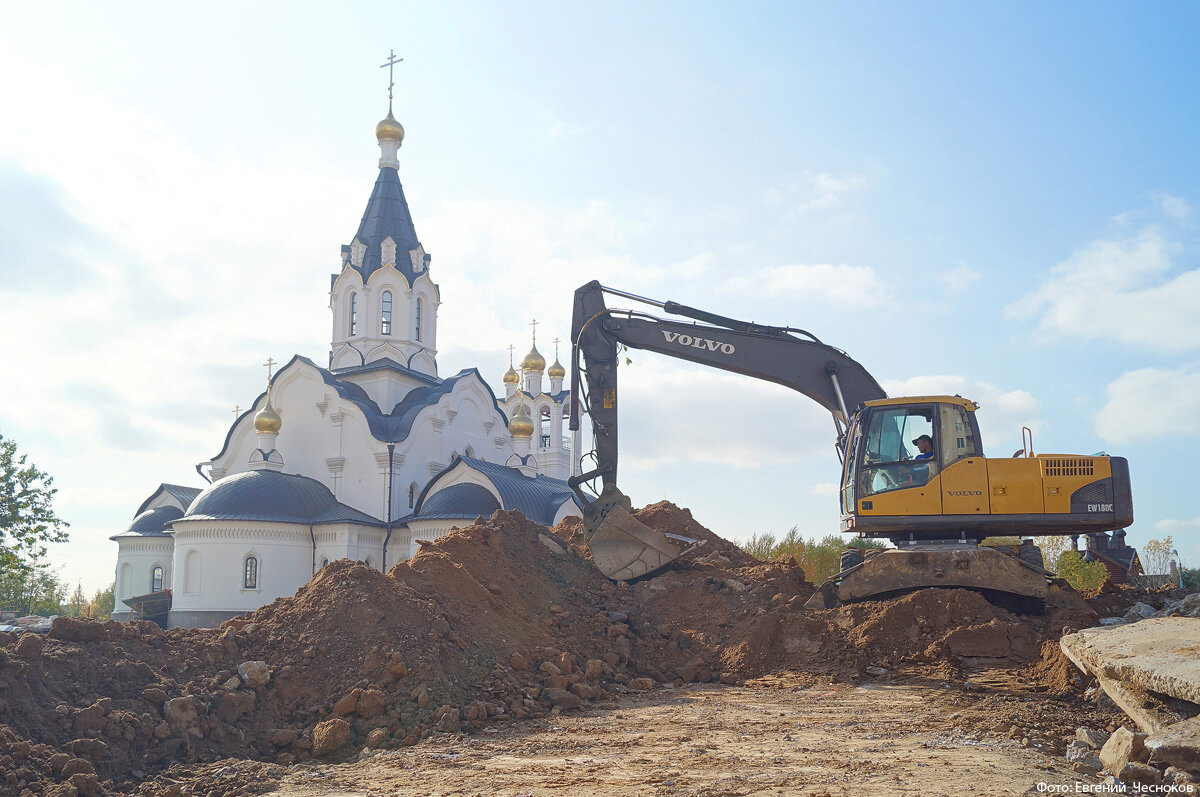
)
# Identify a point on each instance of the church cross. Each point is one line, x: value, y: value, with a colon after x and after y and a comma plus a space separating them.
x: 391, y: 63
x: 269, y: 364
x: 556, y: 342
x: 237, y: 409
x: 534, y: 324
x: 510, y: 355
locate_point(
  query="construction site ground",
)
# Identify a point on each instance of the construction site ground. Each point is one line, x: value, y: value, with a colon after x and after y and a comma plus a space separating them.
x: 778, y: 735
x: 498, y: 661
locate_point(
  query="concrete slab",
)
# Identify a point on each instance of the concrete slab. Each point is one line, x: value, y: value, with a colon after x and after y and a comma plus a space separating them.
x: 1139, y: 662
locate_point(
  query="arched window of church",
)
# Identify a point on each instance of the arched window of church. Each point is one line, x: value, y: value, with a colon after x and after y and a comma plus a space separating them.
x: 191, y: 573
x: 412, y: 495
x: 156, y: 579
x: 420, y: 308
x: 250, y: 573
x: 324, y: 562
x: 353, y: 314
x: 544, y: 427
x: 385, y: 326
x: 125, y: 588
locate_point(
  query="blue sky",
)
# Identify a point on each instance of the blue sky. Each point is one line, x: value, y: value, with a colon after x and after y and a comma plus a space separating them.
x: 999, y: 202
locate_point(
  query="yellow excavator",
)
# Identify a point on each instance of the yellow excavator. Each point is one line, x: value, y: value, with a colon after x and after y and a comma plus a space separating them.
x: 913, y: 469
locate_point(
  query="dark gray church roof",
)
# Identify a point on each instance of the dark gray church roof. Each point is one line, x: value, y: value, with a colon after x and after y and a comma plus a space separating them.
x: 536, y: 497
x: 459, y: 501
x: 270, y: 496
x: 184, y: 495
x: 392, y: 427
x: 152, y: 522
x: 387, y: 215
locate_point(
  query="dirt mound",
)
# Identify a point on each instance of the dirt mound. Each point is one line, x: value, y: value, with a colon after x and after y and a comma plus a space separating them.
x: 502, y: 619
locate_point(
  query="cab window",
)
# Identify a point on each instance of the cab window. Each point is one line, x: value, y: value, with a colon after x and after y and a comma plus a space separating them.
x: 957, y: 438
x: 889, y: 453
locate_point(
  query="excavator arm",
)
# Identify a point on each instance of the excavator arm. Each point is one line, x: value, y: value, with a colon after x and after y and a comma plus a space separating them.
x: 622, y: 547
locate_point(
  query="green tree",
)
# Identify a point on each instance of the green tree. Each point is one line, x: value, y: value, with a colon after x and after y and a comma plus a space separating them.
x: 103, y: 602
x: 1156, y: 555
x: 27, y: 519
x: 78, y: 605
x: 33, y: 589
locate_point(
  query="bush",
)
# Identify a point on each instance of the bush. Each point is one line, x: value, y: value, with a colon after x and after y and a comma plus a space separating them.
x: 1081, y: 574
x: 820, y: 559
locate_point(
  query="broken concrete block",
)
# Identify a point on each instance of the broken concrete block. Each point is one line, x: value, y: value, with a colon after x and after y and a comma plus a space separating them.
x: 1178, y: 744
x: 1092, y: 738
x: 1134, y: 662
x: 1121, y: 748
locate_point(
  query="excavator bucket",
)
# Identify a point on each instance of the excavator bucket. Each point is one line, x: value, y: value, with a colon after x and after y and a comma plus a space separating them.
x: 623, y: 547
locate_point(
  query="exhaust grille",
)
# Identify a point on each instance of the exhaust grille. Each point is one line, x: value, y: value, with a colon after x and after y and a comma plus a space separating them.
x: 1068, y: 466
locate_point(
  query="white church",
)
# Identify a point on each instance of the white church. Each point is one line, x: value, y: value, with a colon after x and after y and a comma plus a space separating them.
x: 359, y: 460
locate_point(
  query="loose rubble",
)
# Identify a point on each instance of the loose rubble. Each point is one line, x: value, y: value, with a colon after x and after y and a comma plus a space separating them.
x: 501, y: 620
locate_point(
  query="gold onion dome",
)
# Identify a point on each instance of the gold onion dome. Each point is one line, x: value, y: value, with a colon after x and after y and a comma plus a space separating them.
x: 521, y: 424
x: 267, y: 420
x: 389, y: 129
x: 511, y: 377
x: 556, y: 371
x: 533, y: 361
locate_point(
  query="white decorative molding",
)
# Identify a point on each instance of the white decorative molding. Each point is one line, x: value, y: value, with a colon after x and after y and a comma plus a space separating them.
x: 388, y: 251
x: 337, y: 417
x: 335, y: 465
x: 357, y: 250
x: 323, y: 405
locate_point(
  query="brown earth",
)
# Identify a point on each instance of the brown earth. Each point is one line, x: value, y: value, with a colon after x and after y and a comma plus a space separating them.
x: 492, y: 623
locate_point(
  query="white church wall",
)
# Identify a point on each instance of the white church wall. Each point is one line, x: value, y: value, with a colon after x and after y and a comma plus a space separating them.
x: 211, y: 557
x: 136, y: 559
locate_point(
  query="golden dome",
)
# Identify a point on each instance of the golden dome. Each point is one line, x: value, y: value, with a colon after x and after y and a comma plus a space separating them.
x: 389, y: 129
x: 556, y: 371
x: 533, y: 361
x: 521, y: 424
x: 267, y: 420
x: 511, y: 377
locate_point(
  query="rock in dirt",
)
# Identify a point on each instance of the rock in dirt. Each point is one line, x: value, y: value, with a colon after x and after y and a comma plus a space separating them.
x: 183, y: 715
x: 254, y: 673
x: 562, y: 698
x: 1092, y: 738
x: 329, y: 735
x: 1121, y: 748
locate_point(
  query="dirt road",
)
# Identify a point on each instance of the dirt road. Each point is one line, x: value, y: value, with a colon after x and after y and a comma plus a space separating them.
x: 783, y: 735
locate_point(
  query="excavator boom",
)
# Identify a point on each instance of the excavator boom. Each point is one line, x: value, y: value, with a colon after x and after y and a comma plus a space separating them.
x: 622, y: 547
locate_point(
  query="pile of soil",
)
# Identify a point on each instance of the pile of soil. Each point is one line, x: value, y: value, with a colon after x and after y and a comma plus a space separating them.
x: 503, y: 619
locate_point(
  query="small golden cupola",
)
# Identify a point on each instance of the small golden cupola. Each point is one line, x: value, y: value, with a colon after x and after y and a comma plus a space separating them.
x: 511, y: 377
x: 389, y: 129
x: 521, y: 424
x: 556, y: 371
x: 267, y: 420
x: 534, y: 361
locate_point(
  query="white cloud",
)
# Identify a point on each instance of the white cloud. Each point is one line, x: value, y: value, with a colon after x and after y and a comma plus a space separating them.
x: 1175, y: 208
x: 960, y: 278
x: 1172, y: 526
x: 1151, y: 403
x: 824, y: 489
x: 1001, y: 412
x: 842, y: 285
x: 675, y: 413
x: 1121, y: 290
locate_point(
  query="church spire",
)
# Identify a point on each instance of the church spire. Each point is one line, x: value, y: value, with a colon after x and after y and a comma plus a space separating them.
x: 390, y: 133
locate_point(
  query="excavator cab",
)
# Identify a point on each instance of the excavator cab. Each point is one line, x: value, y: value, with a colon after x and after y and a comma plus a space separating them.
x: 885, y: 465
